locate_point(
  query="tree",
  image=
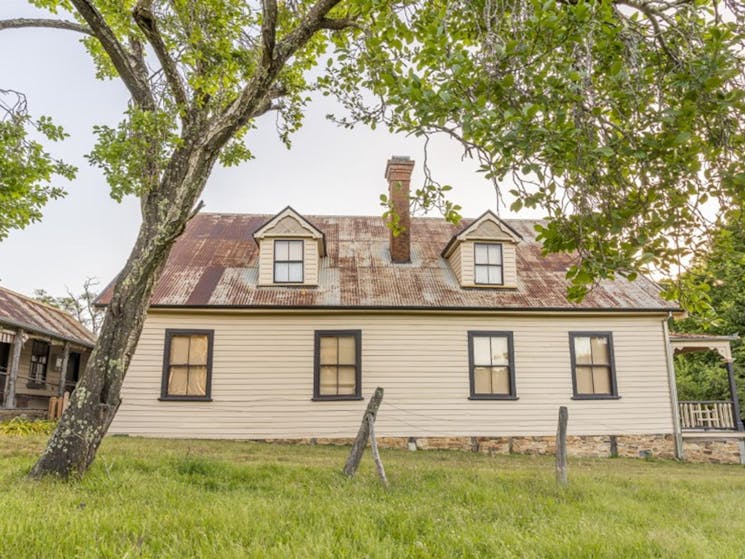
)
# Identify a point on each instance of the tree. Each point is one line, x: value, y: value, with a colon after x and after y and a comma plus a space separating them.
x: 220, y: 64
x: 81, y: 306
x: 623, y: 119
x: 618, y: 117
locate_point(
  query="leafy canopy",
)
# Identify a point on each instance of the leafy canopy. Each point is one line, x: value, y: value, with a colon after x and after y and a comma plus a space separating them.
x: 26, y: 168
x: 622, y: 120
x: 722, y: 266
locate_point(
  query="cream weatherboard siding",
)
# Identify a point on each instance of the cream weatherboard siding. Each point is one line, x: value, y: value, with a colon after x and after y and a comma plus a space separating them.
x: 262, y: 379
x: 456, y: 265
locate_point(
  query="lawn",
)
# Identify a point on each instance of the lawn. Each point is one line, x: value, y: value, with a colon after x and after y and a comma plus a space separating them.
x: 166, y: 498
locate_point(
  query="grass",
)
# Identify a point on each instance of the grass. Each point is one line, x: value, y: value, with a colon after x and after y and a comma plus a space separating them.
x: 166, y: 498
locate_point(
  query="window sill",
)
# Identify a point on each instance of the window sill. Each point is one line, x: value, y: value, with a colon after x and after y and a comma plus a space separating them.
x: 185, y: 399
x: 595, y: 397
x: 492, y: 397
x: 336, y: 398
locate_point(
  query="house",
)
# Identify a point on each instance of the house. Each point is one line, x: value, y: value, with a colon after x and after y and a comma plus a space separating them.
x: 43, y: 350
x: 279, y: 327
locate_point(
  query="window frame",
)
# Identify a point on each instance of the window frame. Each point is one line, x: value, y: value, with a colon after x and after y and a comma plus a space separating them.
x: 317, y: 335
x: 500, y: 265
x: 33, y: 382
x: 471, y: 365
x: 612, y: 366
x: 275, y: 261
x: 169, y: 333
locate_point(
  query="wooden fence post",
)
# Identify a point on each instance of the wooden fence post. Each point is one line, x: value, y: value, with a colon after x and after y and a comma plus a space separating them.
x: 376, y: 454
x: 355, y: 455
x: 561, y: 447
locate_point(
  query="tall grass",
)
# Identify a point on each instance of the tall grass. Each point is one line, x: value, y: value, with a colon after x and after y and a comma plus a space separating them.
x: 165, y: 498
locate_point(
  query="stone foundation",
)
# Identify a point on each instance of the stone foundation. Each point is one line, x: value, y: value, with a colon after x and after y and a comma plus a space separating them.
x: 717, y: 450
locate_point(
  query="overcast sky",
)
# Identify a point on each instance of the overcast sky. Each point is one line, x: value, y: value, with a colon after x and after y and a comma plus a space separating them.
x: 329, y: 170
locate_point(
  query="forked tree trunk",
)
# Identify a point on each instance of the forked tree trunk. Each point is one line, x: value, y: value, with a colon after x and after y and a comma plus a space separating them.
x: 74, y: 443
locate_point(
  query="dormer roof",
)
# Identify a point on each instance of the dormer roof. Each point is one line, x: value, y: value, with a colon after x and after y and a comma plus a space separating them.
x: 488, y: 226
x: 290, y: 223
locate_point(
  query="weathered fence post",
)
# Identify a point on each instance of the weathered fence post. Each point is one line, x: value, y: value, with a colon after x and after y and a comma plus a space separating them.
x: 376, y: 454
x: 561, y: 447
x: 355, y: 455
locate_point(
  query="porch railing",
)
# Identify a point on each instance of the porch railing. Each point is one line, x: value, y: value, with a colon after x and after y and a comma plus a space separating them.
x: 707, y: 414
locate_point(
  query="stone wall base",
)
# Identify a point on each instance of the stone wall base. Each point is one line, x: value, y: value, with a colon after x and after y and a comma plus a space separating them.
x: 714, y: 450
x: 588, y: 446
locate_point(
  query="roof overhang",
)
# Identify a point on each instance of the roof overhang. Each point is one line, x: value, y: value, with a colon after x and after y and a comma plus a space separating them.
x: 691, y: 343
x: 43, y: 332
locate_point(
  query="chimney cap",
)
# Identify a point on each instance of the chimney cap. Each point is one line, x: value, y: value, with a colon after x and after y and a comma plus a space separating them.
x: 399, y: 161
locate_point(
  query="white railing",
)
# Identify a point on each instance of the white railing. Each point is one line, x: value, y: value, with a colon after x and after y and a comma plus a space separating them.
x: 706, y: 414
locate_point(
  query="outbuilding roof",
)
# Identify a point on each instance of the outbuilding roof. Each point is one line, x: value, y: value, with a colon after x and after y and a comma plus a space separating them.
x: 19, y: 311
x: 214, y: 264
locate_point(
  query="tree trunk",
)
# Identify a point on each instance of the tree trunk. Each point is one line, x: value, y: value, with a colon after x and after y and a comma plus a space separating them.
x: 166, y: 211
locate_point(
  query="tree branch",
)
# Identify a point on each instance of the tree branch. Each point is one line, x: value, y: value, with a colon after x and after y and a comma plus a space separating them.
x: 20, y: 22
x: 312, y: 22
x: 268, y: 31
x: 337, y: 24
x: 652, y: 14
x: 253, y: 97
x: 138, y: 87
x: 145, y: 19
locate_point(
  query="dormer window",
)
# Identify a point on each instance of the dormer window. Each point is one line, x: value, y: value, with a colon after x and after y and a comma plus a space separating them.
x: 488, y: 267
x: 484, y: 254
x: 288, y: 261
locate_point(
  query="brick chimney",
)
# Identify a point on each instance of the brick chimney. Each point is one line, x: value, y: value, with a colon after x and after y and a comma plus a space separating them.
x: 398, y: 172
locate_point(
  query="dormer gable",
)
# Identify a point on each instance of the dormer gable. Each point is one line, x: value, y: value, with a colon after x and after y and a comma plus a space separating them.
x: 290, y: 249
x: 484, y: 254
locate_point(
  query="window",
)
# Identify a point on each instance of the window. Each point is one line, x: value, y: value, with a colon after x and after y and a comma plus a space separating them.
x: 491, y: 366
x: 337, y: 365
x: 593, y: 372
x: 288, y: 261
x: 39, y: 359
x: 187, y: 365
x: 487, y: 266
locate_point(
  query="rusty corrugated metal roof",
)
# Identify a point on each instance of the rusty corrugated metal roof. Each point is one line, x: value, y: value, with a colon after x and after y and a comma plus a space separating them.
x: 19, y: 311
x: 214, y: 263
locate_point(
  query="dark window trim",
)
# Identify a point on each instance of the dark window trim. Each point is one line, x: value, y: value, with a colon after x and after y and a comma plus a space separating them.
x: 500, y: 265
x: 275, y: 261
x: 511, y: 351
x: 170, y: 332
x: 32, y: 382
x: 611, y: 356
x: 317, y: 396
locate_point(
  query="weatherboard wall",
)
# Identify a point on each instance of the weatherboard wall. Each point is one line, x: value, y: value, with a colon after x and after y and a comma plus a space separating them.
x: 262, y: 378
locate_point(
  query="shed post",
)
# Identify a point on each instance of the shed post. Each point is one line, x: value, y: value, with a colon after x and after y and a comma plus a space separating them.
x: 672, y: 385
x: 63, y: 372
x: 733, y: 393
x: 15, y: 361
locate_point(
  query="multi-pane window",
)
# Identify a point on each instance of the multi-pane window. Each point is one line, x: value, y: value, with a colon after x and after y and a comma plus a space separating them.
x: 39, y: 361
x: 337, y: 365
x: 492, y: 369
x: 487, y: 259
x: 592, y: 364
x: 187, y: 369
x: 288, y: 261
